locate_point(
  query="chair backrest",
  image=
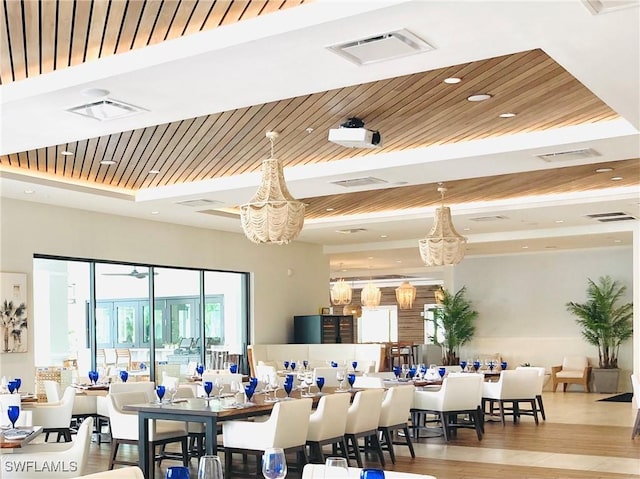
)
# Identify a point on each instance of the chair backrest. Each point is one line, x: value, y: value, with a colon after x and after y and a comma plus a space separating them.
x: 367, y: 382
x: 329, y: 420
x: 124, y: 424
x: 364, y: 412
x: 518, y: 384
x: 396, y: 406
x: 170, y: 381
x: 291, y: 422
x: 541, y: 373
x: 147, y: 387
x: 52, y: 390
x: 461, y: 392
x: 575, y: 363
x: 635, y: 383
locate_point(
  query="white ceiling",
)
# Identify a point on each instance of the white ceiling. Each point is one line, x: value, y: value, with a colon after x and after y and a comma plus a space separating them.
x: 284, y: 54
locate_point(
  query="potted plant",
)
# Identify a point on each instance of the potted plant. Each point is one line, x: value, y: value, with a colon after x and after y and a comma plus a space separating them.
x: 605, y: 324
x: 455, y: 318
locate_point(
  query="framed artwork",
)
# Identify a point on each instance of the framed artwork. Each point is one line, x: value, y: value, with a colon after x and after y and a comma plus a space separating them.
x: 13, y: 313
x: 325, y: 311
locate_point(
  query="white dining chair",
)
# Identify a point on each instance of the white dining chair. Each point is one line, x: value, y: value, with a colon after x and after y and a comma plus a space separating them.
x: 394, y: 416
x: 362, y: 422
x: 514, y: 388
x: 327, y: 425
x: 54, y: 416
x: 541, y: 376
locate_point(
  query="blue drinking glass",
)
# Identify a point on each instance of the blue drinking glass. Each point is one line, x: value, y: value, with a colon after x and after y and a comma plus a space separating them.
x: 286, y: 365
x: 354, y: 364
x: 412, y: 372
x: 372, y: 474
x: 463, y: 365
x: 334, y: 364
x: 249, y: 390
x: 13, y: 412
x: 441, y: 372
x: 503, y: 365
x: 320, y: 383
x: 177, y: 472
x: 18, y: 382
x: 288, y: 386
x: 199, y: 369
x: 293, y: 365
x: 143, y: 366
x: 352, y: 379
x: 305, y: 364
x: 397, y: 370
x: 12, y: 386
x: 208, y: 387
x: 233, y: 368
x: 253, y: 382
x: 124, y: 375
x: 476, y: 365
x: 160, y: 390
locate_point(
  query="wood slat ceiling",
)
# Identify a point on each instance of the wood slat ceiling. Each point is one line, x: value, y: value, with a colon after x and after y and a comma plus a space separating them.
x: 411, y: 111
x: 501, y: 187
x: 40, y: 36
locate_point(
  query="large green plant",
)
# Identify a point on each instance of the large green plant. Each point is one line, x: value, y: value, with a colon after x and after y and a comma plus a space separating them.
x: 455, y: 317
x: 604, y: 324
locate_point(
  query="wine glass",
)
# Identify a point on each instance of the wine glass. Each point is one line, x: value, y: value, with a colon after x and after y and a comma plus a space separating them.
x: 286, y: 365
x: 336, y: 468
x: 340, y: 378
x: 160, y: 390
x: 274, y: 463
x: 177, y: 472
x: 305, y: 364
x: 320, y: 383
x: 288, y: 386
x: 503, y: 365
x: 412, y: 372
x: 351, y: 378
x: 334, y: 364
x: 18, y: 382
x: 396, y: 371
x: 172, y: 389
x: 124, y: 375
x: 442, y: 372
x: 199, y: 369
x: 308, y: 381
x: 208, y: 387
x: 210, y: 467
x: 492, y: 364
x: 233, y: 368
x: 372, y: 474
x: 293, y: 366
x: 249, y: 390
x: 273, y: 383
x: 219, y: 387
x: 354, y: 364
x: 476, y: 365
x: 463, y: 365
x: 11, y: 385
x: 13, y: 412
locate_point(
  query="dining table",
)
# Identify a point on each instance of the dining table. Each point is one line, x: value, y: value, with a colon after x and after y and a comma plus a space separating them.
x: 18, y: 437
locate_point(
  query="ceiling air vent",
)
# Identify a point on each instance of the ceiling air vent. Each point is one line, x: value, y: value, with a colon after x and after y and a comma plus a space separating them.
x: 355, y: 182
x: 385, y: 46
x: 351, y: 231
x: 198, y: 203
x: 481, y: 219
x: 108, y: 109
x: 610, y: 217
x: 569, y: 155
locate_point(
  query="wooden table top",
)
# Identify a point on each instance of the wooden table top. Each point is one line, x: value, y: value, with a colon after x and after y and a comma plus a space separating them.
x: 11, y: 443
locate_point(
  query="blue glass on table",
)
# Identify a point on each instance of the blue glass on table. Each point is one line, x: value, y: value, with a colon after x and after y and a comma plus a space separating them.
x: 249, y: 390
x: 12, y: 386
x: 320, y: 382
x: 124, y: 375
x: 442, y: 372
x: 177, y: 472
x: 143, y: 366
x: 503, y: 365
x: 289, y: 378
x: 160, y: 390
x: 208, y: 387
x: 305, y: 364
x: 463, y: 365
x: 288, y: 386
x: 253, y: 382
x: 423, y: 370
x: 412, y: 372
x: 18, y: 382
x: 233, y: 368
x: 354, y: 364
x: 200, y: 369
x: 397, y: 370
x: 293, y: 365
x: 13, y: 412
x: 286, y: 365
x: 372, y: 474
x: 334, y: 364
x: 352, y: 379
x: 476, y: 365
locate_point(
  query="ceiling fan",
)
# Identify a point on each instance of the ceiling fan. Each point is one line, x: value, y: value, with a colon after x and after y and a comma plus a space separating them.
x: 134, y: 273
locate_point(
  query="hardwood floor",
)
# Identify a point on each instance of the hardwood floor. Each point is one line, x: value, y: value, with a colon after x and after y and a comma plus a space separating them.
x: 581, y: 439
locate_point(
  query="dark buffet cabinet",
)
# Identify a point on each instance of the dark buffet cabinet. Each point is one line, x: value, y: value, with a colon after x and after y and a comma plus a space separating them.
x: 323, y: 328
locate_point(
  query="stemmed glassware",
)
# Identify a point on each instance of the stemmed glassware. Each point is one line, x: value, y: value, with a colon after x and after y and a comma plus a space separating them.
x: 13, y: 412
x: 442, y: 372
x: 351, y: 378
x: 11, y: 385
x: 286, y: 365
x: 210, y: 467
x: 249, y: 390
x: 219, y: 387
x: 320, y: 383
x: 340, y: 378
x: 308, y: 381
x: 397, y: 371
x: 476, y: 365
x: 18, y: 382
x: 200, y: 369
x: 274, y: 463
x: 491, y: 364
x: 124, y: 375
x: 463, y: 365
x: 503, y: 365
x: 354, y: 364
x: 274, y: 386
x: 371, y: 474
x: 293, y: 366
x: 160, y: 390
x: 412, y: 372
x: 305, y: 364
x: 288, y: 386
x: 208, y: 387
x: 233, y: 368
x: 336, y: 468
x: 405, y: 371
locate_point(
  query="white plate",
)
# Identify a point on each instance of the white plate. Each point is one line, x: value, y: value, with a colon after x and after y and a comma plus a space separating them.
x: 16, y: 434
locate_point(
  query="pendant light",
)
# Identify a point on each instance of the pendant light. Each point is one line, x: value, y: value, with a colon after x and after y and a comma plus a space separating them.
x: 340, y: 292
x: 405, y: 295
x: 272, y: 215
x: 443, y: 245
x: 370, y: 295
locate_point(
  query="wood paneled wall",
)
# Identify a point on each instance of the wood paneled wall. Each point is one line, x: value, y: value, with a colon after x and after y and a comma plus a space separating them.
x: 410, y: 321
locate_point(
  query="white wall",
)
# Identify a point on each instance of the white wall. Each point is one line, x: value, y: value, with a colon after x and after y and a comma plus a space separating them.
x: 521, y: 303
x: 29, y: 228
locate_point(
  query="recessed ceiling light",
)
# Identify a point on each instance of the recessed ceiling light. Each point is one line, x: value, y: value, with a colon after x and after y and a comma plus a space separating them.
x: 154, y: 172
x: 330, y: 209
x: 604, y: 170
x: 466, y: 229
x: 616, y: 178
x: 559, y: 221
x: 155, y: 212
x: 66, y: 153
x: 95, y: 92
x: 108, y: 162
x: 617, y: 241
x: 507, y: 115
x: 452, y: 80
x: 550, y: 247
x: 384, y: 236
x: 479, y: 97
x: 398, y: 261
x: 525, y: 247
x: 369, y: 257
x: 29, y: 192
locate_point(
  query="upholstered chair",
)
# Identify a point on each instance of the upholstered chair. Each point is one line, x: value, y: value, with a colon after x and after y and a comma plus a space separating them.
x: 327, y: 425
x: 460, y: 394
x: 394, y: 415
x: 54, y: 416
x: 514, y: 388
x: 362, y: 422
x: 287, y: 428
x: 70, y: 459
x: 124, y: 427
x: 541, y: 374
x: 83, y: 405
x: 574, y: 370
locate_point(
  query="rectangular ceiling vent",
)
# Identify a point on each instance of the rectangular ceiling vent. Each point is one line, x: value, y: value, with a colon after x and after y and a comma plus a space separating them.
x: 351, y: 231
x: 613, y: 216
x: 481, y: 219
x: 381, y: 47
x: 569, y: 155
x: 198, y: 203
x: 104, y: 110
x: 355, y: 182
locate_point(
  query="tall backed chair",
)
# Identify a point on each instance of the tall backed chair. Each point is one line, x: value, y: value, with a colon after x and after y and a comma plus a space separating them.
x: 541, y: 373
x: 574, y: 370
x: 362, y: 422
x: 327, y: 425
x: 54, y: 416
x: 460, y: 394
x: 394, y: 415
x: 635, y: 382
x: 70, y: 459
x: 287, y: 428
x: 124, y: 427
x: 83, y: 405
x: 514, y: 388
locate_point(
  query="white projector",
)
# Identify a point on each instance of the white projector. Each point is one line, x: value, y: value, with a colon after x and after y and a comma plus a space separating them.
x: 355, y: 137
